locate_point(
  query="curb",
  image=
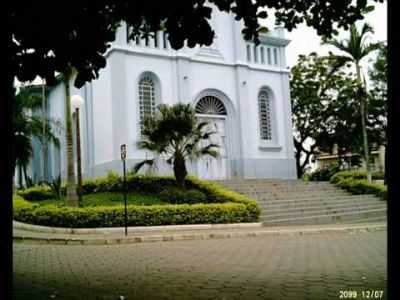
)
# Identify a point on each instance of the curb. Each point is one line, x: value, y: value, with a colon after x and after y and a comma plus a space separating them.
x: 136, y: 229
x: 197, y: 235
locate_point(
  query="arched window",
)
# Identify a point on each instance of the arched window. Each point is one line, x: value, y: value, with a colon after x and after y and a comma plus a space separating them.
x: 264, y: 104
x: 210, y: 105
x: 147, y: 97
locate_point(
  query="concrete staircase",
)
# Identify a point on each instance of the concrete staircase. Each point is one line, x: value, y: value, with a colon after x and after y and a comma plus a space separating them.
x: 294, y: 202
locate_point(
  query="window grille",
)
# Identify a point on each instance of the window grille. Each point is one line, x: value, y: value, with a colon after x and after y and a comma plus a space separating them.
x: 210, y: 105
x: 265, y: 115
x: 147, y: 103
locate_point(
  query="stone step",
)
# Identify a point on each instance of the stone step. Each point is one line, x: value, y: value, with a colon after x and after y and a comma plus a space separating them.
x: 256, y: 193
x: 367, y: 220
x: 308, y: 201
x: 316, y: 211
x: 294, y: 195
x: 271, y: 181
x: 318, y: 206
x: 277, y: 185
x: 328, y: 219
x: 280, y: 187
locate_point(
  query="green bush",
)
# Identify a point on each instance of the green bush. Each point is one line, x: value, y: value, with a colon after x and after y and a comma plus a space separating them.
x: 113, y: 216
x: 355, y: 175
x: 37, y: 193
x: 324, y: 174
x: 356, y: 183
x: 179, y: 196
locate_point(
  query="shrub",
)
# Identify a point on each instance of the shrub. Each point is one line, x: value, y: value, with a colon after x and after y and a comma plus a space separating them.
x: 179, y: 196
x: 113, y: 216
x: 355, y: 175
x: 355, y: 183
x: 37, y: 193
x: 324, y: 174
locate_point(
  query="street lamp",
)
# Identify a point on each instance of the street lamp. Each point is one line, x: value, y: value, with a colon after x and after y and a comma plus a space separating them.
x: 76, y: 102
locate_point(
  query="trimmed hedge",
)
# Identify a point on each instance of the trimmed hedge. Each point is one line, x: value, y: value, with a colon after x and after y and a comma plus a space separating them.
x: 355, y: 175
x: 227, y: 207
x: 113, y: 216
x: 355, y: 183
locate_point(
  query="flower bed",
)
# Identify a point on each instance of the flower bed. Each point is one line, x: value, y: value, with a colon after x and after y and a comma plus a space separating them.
x: 221, y: 206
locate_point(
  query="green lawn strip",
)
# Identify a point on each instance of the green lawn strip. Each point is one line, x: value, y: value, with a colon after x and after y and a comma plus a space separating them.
x: 108, y: 199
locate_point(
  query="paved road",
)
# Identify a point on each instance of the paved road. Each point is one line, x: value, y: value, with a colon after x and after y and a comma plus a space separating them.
x: 315, y: 266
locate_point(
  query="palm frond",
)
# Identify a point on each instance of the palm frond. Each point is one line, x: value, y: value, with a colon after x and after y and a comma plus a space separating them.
x: 139, y: 165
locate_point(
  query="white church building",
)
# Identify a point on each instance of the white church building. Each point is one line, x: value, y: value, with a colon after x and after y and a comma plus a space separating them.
x: 240, y: 89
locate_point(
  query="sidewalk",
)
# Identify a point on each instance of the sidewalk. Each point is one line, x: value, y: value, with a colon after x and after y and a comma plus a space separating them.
x: 26, y: 233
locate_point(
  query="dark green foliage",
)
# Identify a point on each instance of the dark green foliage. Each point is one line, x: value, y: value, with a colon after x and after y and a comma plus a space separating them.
x: 354, y: 175
x: 357, y: 183
x: 56, y: 187
x: 324, y: 174
x: 37, y: 193
x: 108, y: 199
x: 175, y: 133
x: 326, y: 110
x: 176, y: 195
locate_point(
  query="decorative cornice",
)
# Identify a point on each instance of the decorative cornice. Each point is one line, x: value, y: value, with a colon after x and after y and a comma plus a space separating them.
x: 272, y: 40
x: 176, y: 55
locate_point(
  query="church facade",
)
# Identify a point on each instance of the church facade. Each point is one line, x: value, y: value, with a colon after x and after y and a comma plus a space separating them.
x: 242, y: 90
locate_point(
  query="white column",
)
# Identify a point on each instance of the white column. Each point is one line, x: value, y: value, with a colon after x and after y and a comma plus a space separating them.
x: 160, y: 40
x: 152, y: 42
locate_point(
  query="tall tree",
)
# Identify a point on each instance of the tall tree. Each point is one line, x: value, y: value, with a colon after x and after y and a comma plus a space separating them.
x: 326, y: 110
x: 72, y: 196
x: 355, y: 49
x: 315, y: 91
x: 378, y: 93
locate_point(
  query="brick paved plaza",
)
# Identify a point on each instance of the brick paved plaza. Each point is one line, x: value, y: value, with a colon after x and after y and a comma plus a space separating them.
x: 314, y: 266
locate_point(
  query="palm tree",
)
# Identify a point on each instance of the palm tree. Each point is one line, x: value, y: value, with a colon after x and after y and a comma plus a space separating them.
x: 26, y: 126
x: 175, y: 133
x: 355, y: 49
x: 72, y: 196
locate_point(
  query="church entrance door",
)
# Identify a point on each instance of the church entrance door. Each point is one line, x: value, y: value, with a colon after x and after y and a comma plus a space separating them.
x: 209, y: 167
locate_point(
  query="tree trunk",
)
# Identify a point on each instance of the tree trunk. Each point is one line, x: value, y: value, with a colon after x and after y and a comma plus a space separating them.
x: 298, y: 165
x: 363, y: 123
x: 20, y: 176
x: 297, y: 156
x: 27, y: 180
x: 180, y: 170
x: 72, y: 197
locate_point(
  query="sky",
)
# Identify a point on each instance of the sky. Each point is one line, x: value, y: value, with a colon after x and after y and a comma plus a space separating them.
x: 305, y: 40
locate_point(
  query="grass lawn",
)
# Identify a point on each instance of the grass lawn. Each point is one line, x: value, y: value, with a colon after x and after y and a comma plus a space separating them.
x: 109, y: 199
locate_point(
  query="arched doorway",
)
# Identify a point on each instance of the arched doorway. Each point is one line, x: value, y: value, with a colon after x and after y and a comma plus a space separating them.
x: 211, y: 109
